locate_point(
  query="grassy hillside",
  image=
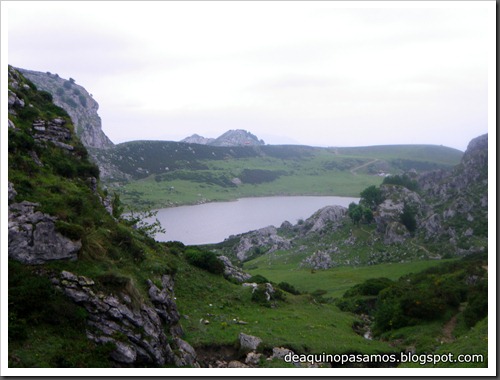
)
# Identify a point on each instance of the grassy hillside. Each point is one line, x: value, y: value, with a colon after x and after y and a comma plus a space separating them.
x: 47, y: 329
x: 163, y: 174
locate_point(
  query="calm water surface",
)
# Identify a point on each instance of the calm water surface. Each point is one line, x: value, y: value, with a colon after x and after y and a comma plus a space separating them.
x: 214, y: 222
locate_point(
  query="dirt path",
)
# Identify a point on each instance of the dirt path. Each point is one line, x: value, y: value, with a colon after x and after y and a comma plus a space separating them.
x: 448, y: 330
x: 449, y: 327
x: 431, y: 255
x: 353, y: 170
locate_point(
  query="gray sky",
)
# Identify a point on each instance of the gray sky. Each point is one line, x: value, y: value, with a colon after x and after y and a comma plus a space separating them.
x: 316, y: 73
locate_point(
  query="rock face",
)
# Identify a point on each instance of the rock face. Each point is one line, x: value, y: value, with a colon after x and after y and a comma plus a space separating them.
x: 458, y: 201
x: 77, y: 102
x: 137, y: 331
x: 237, y: 137
x: 82, y: 108
x: 33, y: 238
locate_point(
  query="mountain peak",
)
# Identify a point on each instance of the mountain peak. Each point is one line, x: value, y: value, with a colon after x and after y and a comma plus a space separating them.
x: 233, y: 137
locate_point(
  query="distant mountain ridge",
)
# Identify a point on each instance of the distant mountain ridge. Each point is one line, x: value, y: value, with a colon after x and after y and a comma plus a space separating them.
x: 233, y: 137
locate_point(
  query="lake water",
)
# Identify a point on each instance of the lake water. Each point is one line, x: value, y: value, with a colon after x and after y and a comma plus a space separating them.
x: 213, y: 222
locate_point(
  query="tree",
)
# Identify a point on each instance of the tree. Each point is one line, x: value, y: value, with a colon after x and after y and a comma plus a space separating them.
x: 355, y: 213
x: 371, y: 197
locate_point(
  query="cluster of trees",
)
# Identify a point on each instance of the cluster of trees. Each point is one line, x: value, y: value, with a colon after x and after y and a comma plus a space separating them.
x: 371, y: 197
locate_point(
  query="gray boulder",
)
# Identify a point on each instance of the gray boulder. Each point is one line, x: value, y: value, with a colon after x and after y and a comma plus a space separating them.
x: 33, y: 238
x: 248, y: 343
x: 232, y: 271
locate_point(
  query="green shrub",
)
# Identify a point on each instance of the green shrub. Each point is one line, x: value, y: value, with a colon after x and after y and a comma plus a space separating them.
x: 288, y: 288
x: 370, y: 287
x: 205, y: 260
x: 477, y: 304
x: 258, y: 279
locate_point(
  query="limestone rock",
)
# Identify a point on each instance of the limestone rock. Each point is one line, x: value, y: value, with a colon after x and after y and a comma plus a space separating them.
x: 77, y: 102
x: 231, y: 271
x: 395, y: 233
x: 248, y: 343
x: 33, y: 238
x: 12, y: 192
x: 318, y: 260
x: 252, y: 358
x: 266, y: 239
x: 141, y: 332
x: 329, y: 216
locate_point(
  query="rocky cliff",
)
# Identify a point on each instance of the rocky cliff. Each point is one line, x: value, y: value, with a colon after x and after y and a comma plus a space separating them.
x: 63, y: 226
x: 82, y: 108
x: 77, y: 102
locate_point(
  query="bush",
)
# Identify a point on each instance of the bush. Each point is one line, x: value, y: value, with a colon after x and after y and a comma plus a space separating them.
x: 477, y: 304
x: 370, y: 287
x: 205, y: 260
x: 288, y: 288
x: 258, y: 279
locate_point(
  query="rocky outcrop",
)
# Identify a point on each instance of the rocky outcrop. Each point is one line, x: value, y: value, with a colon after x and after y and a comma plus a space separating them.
x: 135, y: 328
x: 233, y: 272
x: 388, y: 214
x: 318, y: 260
x: 33, y: 238
x: 237, y: 137
x: 395, y: 232
x: 52, y: 131
x: 328, y: 218
x: 77, y: 102
x: 458, y: 200
x: 197, y: 139
x: 265, y: 240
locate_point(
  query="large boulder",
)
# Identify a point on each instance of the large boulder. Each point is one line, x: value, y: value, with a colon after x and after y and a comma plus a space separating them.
x: 248, y: 343
x: 33, y: 238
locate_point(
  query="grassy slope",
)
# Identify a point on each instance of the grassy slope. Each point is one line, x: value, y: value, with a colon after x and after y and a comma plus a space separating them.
x: 302, y: 170
x: 336, y: 280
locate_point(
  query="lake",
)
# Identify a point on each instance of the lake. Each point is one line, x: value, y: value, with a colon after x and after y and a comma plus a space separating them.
x: 213, y: 222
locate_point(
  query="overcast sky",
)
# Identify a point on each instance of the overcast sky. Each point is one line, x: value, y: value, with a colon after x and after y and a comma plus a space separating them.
x: 316, y: 73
